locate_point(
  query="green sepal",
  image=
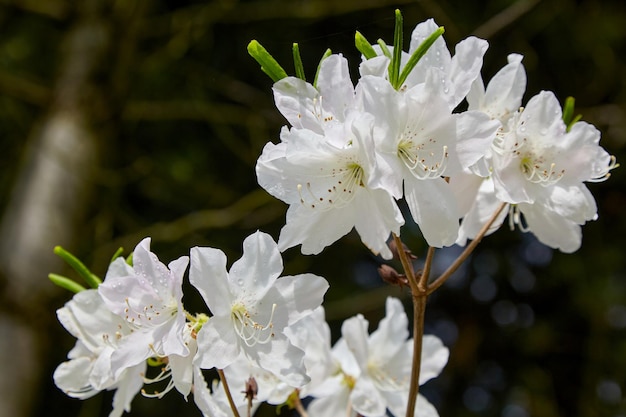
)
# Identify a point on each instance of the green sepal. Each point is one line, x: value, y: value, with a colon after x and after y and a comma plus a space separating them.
x: 396, y: 59
x: 417, y: 55
x: 297, y: 62
x: 568, y: 113
x: 91, y: 279
x: 268, y: 64
x: 327, y: 53
x: 384, y: 48
x: 364, y: 46
x: 129, y: 259
x: 117, y: 254
x: 66, y: 283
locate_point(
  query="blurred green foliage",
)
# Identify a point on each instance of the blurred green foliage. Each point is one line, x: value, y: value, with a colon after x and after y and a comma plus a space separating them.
x: 532, y: 332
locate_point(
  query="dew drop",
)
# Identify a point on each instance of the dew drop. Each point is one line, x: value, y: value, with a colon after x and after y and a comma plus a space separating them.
x: 240, y: 281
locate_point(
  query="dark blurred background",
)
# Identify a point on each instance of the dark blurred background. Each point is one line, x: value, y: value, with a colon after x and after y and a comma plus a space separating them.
x: 126, y: 119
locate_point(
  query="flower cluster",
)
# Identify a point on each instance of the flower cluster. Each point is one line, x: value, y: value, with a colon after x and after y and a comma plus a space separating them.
x: 349, y: 154
x: 351, y: 151
x: 261, y: 326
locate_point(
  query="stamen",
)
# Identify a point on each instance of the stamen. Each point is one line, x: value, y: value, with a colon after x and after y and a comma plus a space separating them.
x: 605, y: 174
x: 337, y: 195
x: 419, y: 165
x: 515, y: 218
x: 165, y: 373
x: 249, y: 330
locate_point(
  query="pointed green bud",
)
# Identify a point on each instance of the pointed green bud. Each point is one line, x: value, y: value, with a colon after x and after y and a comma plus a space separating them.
x: 384, y: 47
x: 327, y: 53
x: 417, y: 55
x: 297, y: 62
x: 396, y: 59
x: 117, y: 253
x: 66, y: 283
x: 268, y: 64
x: 91, y: 279
x: 364, y: 46
x: 568, y: 113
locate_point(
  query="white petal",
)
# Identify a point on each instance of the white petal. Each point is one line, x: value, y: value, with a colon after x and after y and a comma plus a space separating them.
x: 377, y: 216
x: 505, y: 90
x: 542, y: 117
x: 367, y: 400
x: 465, y: 67
x: 203, y: 398
x: 434, y: 358
x: 434, y: 209
x: 208, y: 274
x: 475, y: 133
x: 129, y: 385
x: 335, y: 86
x: 282, y: 359
x: 294, y: 99
x: 259, y: 266
x: 552, y: 229
x: 354, y: 332
x: 295, y: 298
x: 392, y: 332
x: 218, y: 344
x: 72, y: 377
x: 314, y: 229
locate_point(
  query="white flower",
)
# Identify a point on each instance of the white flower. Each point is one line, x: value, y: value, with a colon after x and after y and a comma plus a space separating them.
x: 317, y: 107
x: 541, y: 167
x: 148, y: 296
x: 332, y: 184
x: 312, y: 335
x: 454, y: 74
x: 375, y: 370
x: 421, y: 141
x: 503, y: 95
x: 474, y: 189
x: 88, y: 371
x: 251, y: 306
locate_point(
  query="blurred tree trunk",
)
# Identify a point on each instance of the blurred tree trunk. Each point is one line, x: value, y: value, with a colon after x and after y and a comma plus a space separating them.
x: 52, y: 193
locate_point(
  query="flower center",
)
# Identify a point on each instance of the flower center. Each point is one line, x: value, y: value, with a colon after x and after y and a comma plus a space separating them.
x: 426, y: 160
x: 538, y: 169
x: 150, y: 315
x: 338, y: 192
x: 382, y: 379
x: 248, y: 329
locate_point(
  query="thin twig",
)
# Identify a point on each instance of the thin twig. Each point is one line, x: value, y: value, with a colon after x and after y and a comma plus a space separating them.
x: 423, y: 282
x: 468, y: 250
x: 299, y: 407
x: 227, y: 391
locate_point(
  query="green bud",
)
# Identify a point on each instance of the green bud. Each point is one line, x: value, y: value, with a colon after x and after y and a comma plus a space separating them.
x: 327, y: 53
x: 417, y: 55
x: 91, y: 279
x: 396, y: 59
x: 384, y: 47
x: 268, y: 64
x: 568, y: 113
x: 117, y: 253
x: 66, y: 283
x: 364, y: 46
x: 297, y: 62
